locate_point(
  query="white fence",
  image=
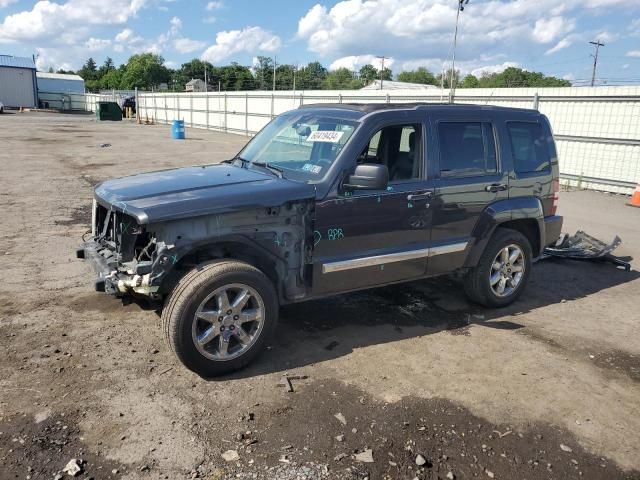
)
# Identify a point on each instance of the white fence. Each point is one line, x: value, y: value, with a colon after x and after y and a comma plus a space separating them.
x: 597, y: 129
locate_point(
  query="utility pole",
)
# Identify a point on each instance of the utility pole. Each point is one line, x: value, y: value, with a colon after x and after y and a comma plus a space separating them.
x: 596, y: 44
x: 452, y: 79
x: 382, y: 59
x: 274, y: 73
x: 206, y: 84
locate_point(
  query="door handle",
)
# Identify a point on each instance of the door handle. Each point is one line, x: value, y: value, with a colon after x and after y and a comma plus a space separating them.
x: 496, y: 187
x: 419, y: 196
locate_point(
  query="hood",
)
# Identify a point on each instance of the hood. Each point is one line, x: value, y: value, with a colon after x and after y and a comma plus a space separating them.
x: 193, y: 191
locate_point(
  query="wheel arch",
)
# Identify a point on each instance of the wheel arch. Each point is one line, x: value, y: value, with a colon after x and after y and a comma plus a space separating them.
x: 235, y: 248
x: 523, y: 214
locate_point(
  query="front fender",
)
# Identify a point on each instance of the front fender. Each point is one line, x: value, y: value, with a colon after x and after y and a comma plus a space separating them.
x: 499, y: 213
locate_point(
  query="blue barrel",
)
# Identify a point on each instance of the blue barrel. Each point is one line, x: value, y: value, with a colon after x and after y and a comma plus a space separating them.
x: 177, y: 130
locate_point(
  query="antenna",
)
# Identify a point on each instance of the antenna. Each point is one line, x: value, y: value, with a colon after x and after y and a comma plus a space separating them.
x: 596, y: 44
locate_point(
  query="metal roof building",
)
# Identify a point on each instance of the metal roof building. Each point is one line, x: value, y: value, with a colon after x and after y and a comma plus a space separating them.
x: 18, y: 83
x: 59, y: 83
x: 393, y: 85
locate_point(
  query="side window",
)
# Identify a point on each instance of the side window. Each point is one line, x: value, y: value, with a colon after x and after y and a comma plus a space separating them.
x: 398, y: 147
x: 467, y: 149
x: 528, y: 147
x: 373, y: 144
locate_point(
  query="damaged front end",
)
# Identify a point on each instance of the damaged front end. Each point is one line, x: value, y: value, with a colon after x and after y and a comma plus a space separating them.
x: 121, y: 252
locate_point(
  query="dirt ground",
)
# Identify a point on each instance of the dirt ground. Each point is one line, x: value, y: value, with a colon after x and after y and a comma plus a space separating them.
x: 412, y: 377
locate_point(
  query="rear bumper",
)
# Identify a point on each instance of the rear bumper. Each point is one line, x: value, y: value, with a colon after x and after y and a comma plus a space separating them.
x: 106, y: 280
x: 552, y: 229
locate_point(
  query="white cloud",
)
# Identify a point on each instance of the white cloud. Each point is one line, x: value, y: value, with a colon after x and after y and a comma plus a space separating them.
x: 6, y: 3
x: 48, y: 20
x: 209, y: 19
x: 214, y: 6
x: 489, y: 69
x: 187, y: 45
x: 249, y: 39
x: 564, y: 43
x: 52, y: 57
x: 176, y: 25
x: 423, y: 29
x: 634, y: 54
x: 127, y: 39
x: 547, y: 30
x: 125, y: 35
x: 95, y: 44
x: 354, y: 62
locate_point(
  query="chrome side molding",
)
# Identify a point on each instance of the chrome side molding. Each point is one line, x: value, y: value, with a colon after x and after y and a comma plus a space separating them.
x: 392, y: 257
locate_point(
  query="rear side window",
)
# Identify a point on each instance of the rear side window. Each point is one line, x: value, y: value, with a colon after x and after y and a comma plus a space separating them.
x: 528, y: 147
x: 467, y: 149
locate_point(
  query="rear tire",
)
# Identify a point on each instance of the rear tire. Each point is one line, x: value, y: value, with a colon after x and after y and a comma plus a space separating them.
x: 219, y: 316
x: 503, y: 270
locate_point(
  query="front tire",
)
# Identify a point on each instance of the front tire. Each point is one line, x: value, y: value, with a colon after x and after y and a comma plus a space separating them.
x: 503, y: 270
x: 219, y: 317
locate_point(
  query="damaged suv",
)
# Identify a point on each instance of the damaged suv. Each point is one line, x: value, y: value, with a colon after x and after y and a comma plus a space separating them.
x: 328, y: 199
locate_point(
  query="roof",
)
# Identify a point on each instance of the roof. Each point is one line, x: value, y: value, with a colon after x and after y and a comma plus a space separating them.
x: 392, y: 85
x: 193, y: 81
x: 17, y: 62
x: 365, y: 108
x: 59, y: 76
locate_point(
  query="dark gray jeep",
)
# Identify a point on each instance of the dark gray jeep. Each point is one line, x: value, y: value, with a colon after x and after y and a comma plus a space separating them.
x: 328, y: 199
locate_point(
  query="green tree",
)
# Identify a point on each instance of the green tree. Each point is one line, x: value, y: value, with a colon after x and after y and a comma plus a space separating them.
x: 470, y: 81
x: 263, y: 73
x: 195, y: 69
x: 447, y: 78
x: 516, y: 77
x: 89, y: 72
x: 421, y: 75
x: 106, y: 67
x: 368, y: 74
x: 112, y: 80
x: 385, y: 73
x: 235, y: 77
x: 145, y: 71
x: 341, y: 79
x: 311, y: 77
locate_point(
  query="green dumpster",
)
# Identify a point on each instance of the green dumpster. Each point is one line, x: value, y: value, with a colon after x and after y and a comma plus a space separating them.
x: 108, y: 111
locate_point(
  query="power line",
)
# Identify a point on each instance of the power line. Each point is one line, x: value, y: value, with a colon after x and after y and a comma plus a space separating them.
x: 597, y: 44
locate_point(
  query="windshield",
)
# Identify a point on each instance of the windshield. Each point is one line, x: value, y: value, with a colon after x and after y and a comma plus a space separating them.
x: 301, y: 144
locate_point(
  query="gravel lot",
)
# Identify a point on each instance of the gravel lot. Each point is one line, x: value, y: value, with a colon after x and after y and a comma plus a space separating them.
x: 434, y: 386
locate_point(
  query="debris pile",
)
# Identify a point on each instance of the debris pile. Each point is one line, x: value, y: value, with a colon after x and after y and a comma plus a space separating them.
x: 585, y: 247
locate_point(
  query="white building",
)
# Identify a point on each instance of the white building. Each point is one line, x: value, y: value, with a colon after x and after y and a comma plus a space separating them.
x: 195, y: 85
x: 18, y: 84
x: 59, y: 83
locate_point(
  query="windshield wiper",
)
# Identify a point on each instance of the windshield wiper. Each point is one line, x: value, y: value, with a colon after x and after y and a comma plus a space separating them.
x: 244, y: 162
x: 272, y: 168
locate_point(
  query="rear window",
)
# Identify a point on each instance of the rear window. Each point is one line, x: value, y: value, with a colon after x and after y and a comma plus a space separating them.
x: 466, y: 149
x: 528, y: 147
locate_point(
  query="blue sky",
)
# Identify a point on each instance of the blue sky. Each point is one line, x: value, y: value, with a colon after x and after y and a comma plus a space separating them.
x: 544, y: 35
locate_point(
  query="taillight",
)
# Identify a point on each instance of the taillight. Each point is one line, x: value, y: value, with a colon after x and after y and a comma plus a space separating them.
x: 556, y: 196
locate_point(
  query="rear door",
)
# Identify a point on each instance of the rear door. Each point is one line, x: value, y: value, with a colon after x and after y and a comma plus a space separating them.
x: 530, y: 147
x: 469, y: 177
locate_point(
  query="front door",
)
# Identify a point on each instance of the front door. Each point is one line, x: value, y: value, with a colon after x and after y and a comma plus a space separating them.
x: 365, y: 238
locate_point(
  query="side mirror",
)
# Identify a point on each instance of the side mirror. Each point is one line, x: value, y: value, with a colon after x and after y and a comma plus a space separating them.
x: 368, y: 176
